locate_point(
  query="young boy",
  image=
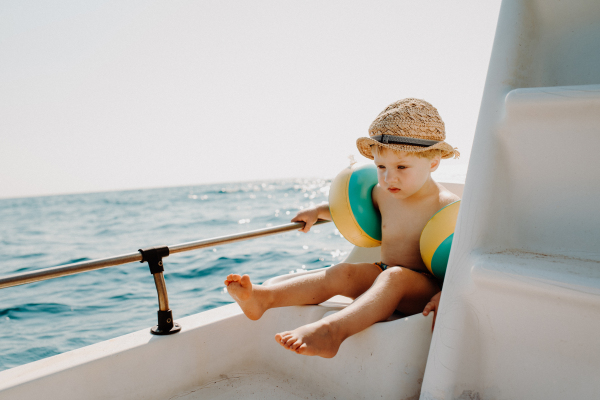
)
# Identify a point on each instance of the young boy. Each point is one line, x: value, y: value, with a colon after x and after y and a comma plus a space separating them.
x: 406, y: 142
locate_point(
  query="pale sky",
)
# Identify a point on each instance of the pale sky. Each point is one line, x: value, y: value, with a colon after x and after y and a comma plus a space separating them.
x: 111, y: 95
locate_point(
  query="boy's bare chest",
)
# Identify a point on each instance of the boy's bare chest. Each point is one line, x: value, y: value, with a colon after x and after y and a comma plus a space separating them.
x: 405, y: 223
x: 401, y: 231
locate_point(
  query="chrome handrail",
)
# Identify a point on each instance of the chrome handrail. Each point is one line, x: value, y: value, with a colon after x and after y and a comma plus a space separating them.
x: 153, y: 256
x: 84, y: 266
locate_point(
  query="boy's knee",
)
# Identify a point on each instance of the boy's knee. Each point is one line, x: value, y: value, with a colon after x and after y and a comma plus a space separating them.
x: 396, y: 274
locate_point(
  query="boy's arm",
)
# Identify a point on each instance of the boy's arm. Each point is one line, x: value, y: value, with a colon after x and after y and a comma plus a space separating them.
x: 375, y: 193
x: 311, y: 215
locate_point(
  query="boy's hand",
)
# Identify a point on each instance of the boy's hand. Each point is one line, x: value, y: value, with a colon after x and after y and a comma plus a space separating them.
x: 308, y: 216
x: 433, y: 305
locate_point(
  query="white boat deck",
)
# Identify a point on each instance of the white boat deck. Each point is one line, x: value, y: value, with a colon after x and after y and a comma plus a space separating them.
x: 254, y: 385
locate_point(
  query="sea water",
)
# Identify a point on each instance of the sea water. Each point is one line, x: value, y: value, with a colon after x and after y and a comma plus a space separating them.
x: 42, y: 319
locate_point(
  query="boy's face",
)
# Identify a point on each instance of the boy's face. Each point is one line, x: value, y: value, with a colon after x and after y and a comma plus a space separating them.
x: 403, y: 174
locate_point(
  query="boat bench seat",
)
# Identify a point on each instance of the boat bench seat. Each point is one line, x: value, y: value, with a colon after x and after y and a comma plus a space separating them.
x: 526, y: 312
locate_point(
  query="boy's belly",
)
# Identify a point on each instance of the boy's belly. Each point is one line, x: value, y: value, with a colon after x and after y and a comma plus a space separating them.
x: 403, y: 256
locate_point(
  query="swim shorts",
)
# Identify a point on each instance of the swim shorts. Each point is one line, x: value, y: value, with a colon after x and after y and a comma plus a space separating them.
x: 427, y: 274
x: 382, y: 265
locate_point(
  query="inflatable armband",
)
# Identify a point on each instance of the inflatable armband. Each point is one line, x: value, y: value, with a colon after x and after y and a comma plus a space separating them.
x: 436, y: 239
x: 351, y: 205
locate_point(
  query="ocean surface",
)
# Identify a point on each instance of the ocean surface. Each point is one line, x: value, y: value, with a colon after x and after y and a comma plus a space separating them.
x: 43, y: 319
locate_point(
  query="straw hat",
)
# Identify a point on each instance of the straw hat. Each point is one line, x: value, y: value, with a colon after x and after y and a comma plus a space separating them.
x: 410, y: 125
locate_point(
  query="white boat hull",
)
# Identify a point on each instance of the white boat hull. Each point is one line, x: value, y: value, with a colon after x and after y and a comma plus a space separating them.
x: 222, y: 354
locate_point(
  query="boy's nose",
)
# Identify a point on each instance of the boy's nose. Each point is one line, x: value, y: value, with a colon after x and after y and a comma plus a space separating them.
x: 390, y: 177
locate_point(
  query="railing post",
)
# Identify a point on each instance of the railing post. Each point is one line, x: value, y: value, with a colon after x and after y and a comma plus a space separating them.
x: 153, y: 256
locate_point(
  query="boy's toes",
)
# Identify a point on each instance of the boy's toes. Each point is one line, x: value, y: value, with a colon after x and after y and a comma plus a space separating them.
x: 296, y: 345
x: 287, y: 340
x: 233, y: 278
x: 245, y: 281
x: 301, y: 349
x: 280, y: 337
x: 289, y: 343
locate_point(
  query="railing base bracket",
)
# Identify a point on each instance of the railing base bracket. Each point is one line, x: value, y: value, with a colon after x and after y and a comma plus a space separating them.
x: 155, y: 330
x: 166, y: 325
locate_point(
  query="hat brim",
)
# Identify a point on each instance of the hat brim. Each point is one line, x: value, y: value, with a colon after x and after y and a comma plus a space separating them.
x: 364, y: 147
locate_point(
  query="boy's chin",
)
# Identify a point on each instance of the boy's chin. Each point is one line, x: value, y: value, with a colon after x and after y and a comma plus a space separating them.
x: 399, y: 194
x: 402, y: 193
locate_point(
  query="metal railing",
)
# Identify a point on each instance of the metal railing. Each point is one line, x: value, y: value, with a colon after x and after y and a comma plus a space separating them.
x: 154, y: 258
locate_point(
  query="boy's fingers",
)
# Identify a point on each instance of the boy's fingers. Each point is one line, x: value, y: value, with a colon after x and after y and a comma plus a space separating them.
x: 307, y: 226
x: 427, y: 308
x: 296, y: 219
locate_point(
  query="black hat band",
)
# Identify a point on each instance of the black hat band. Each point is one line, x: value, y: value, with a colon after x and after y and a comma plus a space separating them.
x: 391, y: 139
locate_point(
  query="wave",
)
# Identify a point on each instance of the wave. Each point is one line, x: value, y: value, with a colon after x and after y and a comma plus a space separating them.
x: 76, y: 260
x: 30, y: 255
x: 34, y: 308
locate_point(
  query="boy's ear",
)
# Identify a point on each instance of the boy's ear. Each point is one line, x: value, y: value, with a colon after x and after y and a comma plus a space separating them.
x: 435, y: 163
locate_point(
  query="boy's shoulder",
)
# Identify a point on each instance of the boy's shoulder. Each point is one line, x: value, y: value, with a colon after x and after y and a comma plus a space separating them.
x: 445, y: 196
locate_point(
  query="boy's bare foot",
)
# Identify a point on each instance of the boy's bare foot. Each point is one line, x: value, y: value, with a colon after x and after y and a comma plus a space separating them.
x: 320, y: 338
x: 243, y: 292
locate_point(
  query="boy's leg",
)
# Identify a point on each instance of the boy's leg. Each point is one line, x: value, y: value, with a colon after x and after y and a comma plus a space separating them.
x: 395, y: 288
x: 349, y: 280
